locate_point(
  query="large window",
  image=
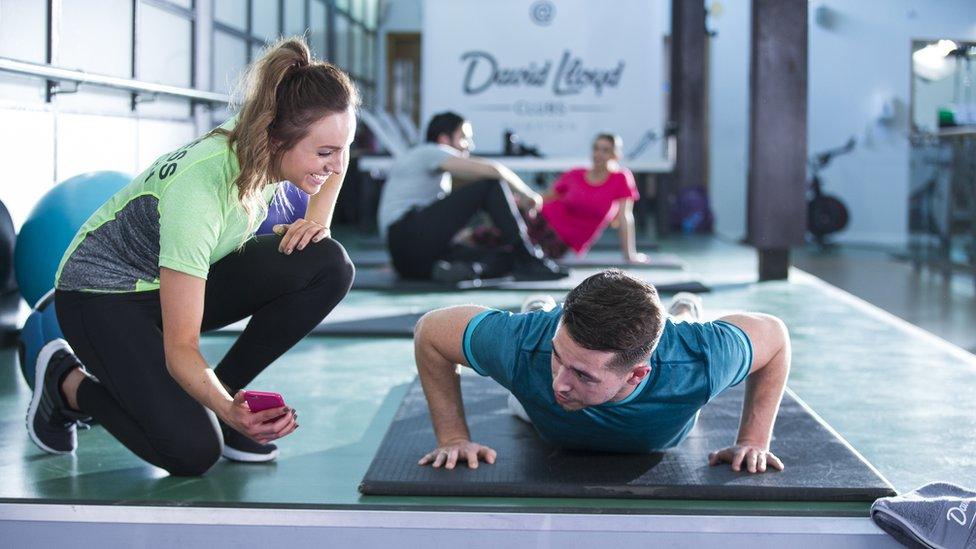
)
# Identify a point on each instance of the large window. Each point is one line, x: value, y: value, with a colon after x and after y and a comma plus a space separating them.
x: 159, y: 41
x: 318, y: 28
x: 354, y: 34
x: 164, y: 53
x: 23, y: 31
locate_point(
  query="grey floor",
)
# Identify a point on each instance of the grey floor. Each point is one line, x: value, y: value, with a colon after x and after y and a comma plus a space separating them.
x: 946, y: 308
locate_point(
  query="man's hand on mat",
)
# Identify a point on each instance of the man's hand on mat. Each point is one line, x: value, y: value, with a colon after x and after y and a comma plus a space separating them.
x: 448, y: 454
x: 753, y: 457
x: 261, y: 427
x: 298, y: 234
x: 638, y: 258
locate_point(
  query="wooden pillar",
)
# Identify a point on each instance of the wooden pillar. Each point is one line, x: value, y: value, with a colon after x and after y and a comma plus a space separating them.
x: 687, y: 102
x: 777, y: 133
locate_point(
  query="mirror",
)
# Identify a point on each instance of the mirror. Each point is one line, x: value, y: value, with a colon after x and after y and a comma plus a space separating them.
x: 942, y: 84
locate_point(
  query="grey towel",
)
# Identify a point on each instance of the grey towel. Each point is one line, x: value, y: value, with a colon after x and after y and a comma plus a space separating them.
x: 938, y: 515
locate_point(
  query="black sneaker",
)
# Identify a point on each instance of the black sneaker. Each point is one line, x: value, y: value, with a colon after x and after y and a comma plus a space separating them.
x: 538, y: 268
x: 238, y: 447
x: 450, y: 272
x: 50, y: 423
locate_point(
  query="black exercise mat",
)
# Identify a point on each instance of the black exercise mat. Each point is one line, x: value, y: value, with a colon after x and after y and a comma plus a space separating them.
x: 820, y: 466
x: 599, y: 258
x: 384, y: 279
x: 369, y: 258
x: 607, y: 259
x: 371, y: 321
x: 400, y: 325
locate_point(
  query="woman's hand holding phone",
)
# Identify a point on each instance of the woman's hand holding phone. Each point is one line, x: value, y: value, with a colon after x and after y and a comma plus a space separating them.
x: 262, y: 426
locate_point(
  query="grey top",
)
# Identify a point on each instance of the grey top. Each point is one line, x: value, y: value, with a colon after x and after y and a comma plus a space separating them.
x: 416, y: 179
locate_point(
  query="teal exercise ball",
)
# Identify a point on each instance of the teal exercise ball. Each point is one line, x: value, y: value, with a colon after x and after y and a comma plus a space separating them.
x: 48, y: 230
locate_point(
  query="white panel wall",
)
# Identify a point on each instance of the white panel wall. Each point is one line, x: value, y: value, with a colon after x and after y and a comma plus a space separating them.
x: 157, y: 137
x: 88, y: 143
x: 27, y: 157
x: 39, y: 147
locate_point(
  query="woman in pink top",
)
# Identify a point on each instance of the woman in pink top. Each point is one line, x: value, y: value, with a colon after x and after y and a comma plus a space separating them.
x: 584, y: 201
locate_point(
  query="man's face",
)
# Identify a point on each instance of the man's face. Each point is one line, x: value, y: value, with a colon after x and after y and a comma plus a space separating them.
x: 581, y: 378
x: 463, y: 139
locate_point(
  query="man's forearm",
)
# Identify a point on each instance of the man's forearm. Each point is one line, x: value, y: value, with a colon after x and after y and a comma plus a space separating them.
x: 764, y: 391
x: 442, y: 387
x: 514, y: 181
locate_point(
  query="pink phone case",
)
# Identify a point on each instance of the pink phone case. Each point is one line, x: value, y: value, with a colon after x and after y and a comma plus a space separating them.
x: 260, y: 400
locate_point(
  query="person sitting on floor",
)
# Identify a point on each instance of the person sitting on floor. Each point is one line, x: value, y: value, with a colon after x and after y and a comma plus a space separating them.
x: 583, y: 201
x: 421, y: 210
x: 606, y: 371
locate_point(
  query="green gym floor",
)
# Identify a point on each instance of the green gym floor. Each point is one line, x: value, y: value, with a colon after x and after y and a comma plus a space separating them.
x: 899, y: 395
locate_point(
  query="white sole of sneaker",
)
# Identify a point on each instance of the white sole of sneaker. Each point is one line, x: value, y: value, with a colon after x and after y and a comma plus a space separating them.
x: 43, y: 358
x: 537, y: 302
x: 691, y: 301
x: 245, y: 457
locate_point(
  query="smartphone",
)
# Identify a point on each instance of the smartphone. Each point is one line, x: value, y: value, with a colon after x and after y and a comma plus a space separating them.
x: 260, y: 400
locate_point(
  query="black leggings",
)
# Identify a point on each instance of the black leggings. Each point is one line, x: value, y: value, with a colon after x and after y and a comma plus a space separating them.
x: 119, y: 339
x: 422, y: 236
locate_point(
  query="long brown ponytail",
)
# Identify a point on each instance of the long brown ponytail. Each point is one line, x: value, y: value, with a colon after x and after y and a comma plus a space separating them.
x: 280, y: 96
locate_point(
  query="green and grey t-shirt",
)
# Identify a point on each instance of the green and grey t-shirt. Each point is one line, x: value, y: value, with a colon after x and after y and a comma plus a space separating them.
x: 182, y: 213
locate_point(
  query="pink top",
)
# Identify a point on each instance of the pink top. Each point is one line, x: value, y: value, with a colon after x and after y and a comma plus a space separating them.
x: 581, y: 210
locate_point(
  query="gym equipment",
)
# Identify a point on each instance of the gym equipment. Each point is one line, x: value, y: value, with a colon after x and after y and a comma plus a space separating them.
x: 40, y: 328
x: 53, y: 223
x: 8, y: 236
x: 826, y: 214
x: 281, y: 213
x: 690, y: 212
x: 820, y: 466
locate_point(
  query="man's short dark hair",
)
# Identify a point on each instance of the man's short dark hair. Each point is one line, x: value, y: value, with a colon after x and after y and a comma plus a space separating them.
x: 612, y: 311
x: 443, y: 123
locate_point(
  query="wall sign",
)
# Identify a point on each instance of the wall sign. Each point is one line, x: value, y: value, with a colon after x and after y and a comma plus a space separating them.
x: 556, y: 73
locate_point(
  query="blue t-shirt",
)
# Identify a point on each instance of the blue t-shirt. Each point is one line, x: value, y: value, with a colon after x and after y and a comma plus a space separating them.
x: 692, y: 364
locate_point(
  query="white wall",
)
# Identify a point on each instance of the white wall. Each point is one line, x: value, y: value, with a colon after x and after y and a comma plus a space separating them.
x: 728, y: 116
x: 859, y: 60
x: 42, y: 146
